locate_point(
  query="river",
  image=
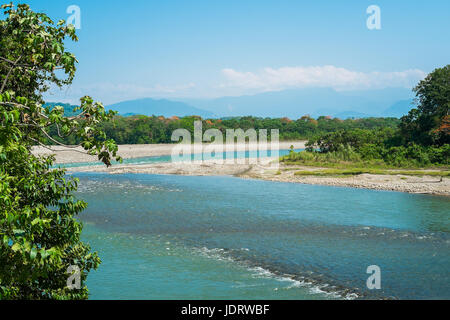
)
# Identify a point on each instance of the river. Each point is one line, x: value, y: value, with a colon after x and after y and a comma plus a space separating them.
x: 187, y: 237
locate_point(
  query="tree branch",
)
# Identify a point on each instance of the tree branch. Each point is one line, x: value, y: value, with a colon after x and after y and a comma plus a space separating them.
x: 9, y: 73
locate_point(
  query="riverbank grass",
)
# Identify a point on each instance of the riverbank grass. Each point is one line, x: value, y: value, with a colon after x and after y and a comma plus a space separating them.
x: 334, y: 164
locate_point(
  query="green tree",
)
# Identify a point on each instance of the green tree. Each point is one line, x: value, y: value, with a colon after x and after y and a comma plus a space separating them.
x: 428, y: 123
x: 39, y: 235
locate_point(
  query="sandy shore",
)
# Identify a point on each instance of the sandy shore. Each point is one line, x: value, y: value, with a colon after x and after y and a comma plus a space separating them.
x: 266, y: 169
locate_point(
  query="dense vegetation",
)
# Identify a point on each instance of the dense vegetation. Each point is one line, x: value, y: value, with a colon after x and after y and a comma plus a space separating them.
x: 143, y: 129
x: 40, y: 243
x: 421, y: 139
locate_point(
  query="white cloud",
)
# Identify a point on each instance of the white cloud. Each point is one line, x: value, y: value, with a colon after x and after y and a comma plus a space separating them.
x: 270, y: 79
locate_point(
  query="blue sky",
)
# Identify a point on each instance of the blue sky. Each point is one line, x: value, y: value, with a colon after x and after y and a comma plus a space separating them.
x: 201, y: 49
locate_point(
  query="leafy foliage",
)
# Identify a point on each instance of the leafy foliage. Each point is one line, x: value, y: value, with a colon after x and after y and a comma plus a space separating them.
x: 145, y: 130
x: 33, y: 45
x: 69, y: 110
x: 39, y: 236
x: 373, y: 155
x: 429, y: 124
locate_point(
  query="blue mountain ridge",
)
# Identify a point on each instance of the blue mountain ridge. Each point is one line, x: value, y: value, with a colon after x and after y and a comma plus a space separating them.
x: 288, y: 103
x: 312, y: 101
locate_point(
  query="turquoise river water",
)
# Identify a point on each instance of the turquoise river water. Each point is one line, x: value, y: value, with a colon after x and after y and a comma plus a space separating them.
x: 179, y: 237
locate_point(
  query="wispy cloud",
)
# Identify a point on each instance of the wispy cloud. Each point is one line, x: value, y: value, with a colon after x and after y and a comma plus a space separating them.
x: 270, y: 79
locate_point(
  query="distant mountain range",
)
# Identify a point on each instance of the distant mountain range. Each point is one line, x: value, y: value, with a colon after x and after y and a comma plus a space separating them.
x: 316, y: 102
x: 159, y: 107
x: 393, y: 102
x: 399, y: 109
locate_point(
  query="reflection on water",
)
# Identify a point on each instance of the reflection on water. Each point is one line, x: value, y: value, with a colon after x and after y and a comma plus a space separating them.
x: 217, y: 237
